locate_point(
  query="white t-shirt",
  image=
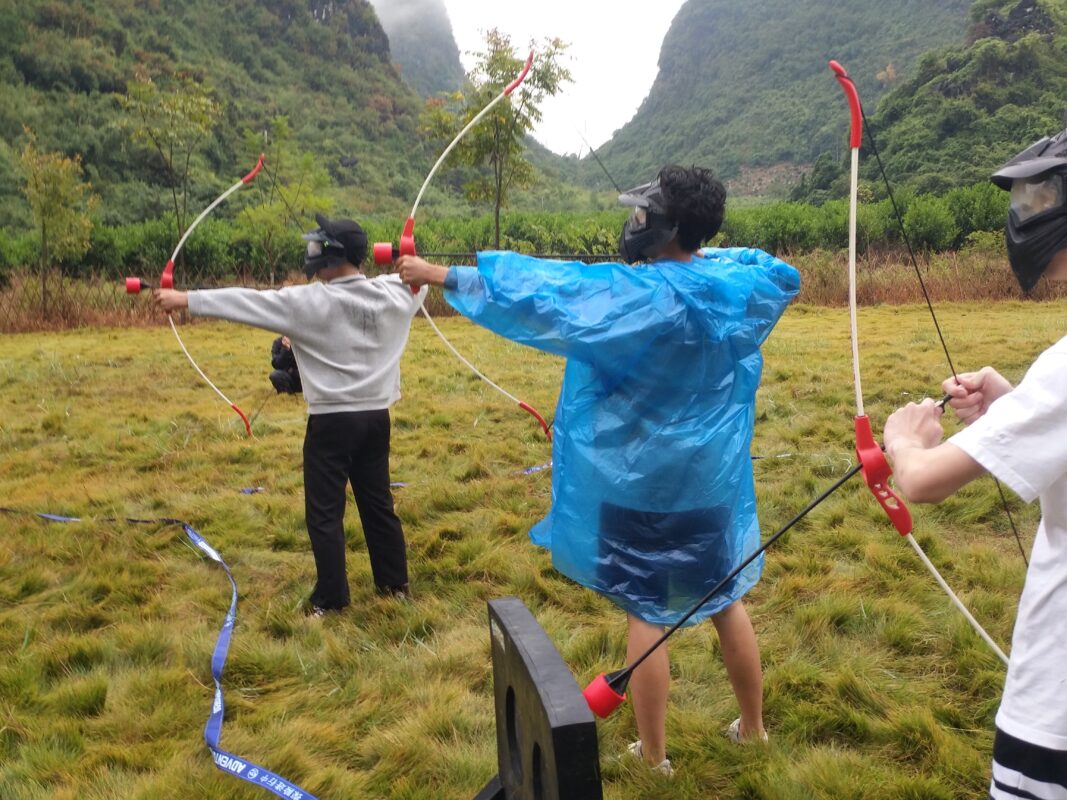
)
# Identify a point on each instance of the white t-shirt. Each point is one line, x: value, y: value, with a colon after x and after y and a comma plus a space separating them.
x: 1022, y: 440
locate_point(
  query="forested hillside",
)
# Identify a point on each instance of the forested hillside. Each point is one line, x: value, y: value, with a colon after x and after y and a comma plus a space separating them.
x: 325, y: 64
x: 745, y: 85
x: 971, y: 107
x: 423, y: 47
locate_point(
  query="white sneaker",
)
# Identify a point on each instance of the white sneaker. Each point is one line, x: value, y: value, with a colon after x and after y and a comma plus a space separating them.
x: 733, y: 733
x: 637, y: 752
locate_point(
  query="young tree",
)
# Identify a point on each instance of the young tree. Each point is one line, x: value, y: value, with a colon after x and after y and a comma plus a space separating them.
x: 496, y: 147
x: 173, y: 122
x: 288, y: 199
x: 62, y: 205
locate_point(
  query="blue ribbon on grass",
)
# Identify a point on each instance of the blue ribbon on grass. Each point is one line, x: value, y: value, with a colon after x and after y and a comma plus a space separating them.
x: 225, y: 761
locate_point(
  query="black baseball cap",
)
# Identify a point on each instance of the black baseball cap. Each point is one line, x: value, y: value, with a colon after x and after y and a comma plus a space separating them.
x: 347, y: 233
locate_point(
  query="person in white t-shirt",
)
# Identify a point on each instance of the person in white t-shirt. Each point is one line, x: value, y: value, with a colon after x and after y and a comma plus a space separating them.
x: 347, y: 334
x: 1019, y: 434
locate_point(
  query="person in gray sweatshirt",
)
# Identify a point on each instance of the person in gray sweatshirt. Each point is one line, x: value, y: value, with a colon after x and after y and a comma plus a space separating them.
x: 348, y: 333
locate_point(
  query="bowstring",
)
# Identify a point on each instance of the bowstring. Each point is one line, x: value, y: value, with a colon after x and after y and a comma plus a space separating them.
x: 930, y: 306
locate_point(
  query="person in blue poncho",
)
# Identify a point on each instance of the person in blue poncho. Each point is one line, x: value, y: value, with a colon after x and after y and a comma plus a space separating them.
x: 653, y: 499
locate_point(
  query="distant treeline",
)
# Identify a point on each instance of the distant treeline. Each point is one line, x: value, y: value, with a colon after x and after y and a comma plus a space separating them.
x: 220, y: 247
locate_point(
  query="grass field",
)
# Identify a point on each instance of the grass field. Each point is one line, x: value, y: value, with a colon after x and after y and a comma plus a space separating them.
x: 875, y: 687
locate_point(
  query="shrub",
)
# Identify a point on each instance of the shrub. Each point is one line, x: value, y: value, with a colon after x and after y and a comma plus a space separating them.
x: 831, y: 225
x: 788, y: 227
x: 987, y: 243
x: 982, y: 207
x: 740, y: 226
x: 930, y: 224
x: 876, y: 225
x: 210, y: 251
x: 16, y: 253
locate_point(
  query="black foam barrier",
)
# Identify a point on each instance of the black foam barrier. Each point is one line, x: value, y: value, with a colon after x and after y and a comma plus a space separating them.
x: 545, y: 732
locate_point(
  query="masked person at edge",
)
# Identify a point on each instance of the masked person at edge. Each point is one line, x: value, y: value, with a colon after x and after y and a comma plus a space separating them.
x: 348, y: 333
x: 652, y: 490
x: 1019, y: 435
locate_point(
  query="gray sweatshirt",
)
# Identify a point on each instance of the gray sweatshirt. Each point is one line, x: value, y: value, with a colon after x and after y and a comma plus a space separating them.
x: 347, y: 335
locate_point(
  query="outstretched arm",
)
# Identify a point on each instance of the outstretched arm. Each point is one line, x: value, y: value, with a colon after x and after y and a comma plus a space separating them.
x: 419, y: 272
x: 170, y: 299
x: 589, y: 312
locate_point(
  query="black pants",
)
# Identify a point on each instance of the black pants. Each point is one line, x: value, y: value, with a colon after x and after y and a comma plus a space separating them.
x: 665, y: 560
x: 338, y: 448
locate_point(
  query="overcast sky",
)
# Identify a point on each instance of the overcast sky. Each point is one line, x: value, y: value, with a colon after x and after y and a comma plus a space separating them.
x: 613, y: 56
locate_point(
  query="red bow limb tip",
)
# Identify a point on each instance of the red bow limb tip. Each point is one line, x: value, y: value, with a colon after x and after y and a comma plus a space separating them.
x: 166, y: 281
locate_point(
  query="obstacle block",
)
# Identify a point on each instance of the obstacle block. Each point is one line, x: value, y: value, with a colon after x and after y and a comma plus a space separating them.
x: 545, y: 732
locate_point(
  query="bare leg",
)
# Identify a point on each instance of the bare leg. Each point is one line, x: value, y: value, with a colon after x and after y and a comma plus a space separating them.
x: 649, y: 687
x: 740, y: 654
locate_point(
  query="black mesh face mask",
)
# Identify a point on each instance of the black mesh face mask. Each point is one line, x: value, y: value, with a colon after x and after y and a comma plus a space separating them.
x: 1037, y: 225
x: 322, y: 252
x: 649, y: 227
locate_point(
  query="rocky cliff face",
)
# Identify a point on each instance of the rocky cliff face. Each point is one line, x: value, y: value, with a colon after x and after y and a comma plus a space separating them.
x: 422, y: 44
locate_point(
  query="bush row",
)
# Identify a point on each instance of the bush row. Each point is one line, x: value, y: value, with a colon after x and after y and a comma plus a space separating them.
x: 221, y: 247
x: 932, y: 223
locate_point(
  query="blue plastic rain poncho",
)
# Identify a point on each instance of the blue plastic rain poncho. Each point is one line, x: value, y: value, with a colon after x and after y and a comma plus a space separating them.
x: 652, y: 493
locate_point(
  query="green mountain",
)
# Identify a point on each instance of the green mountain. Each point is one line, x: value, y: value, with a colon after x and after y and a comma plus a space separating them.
x: 743, y: 85
x: 325, y: 64
x: 971, y: 107
x: 423, y: 47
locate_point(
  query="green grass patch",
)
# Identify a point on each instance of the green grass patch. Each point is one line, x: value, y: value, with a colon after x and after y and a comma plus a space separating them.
x: 874, y: 686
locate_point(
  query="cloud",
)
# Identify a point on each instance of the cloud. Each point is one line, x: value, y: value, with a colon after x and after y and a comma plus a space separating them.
x: 397, y: 13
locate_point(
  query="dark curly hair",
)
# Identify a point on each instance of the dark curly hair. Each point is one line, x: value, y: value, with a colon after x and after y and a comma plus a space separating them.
x: 696, y: 201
